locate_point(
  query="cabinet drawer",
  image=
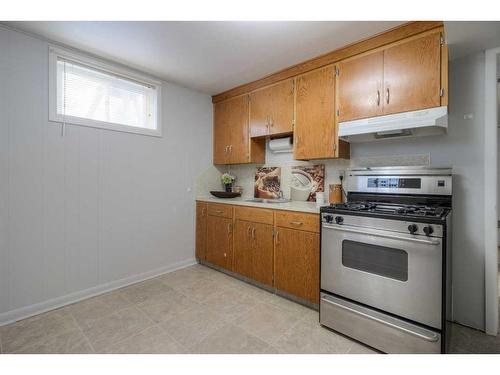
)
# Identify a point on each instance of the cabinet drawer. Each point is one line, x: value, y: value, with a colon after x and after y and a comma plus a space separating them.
x: 298, y: 220
x: 256, y: 215
x: 217, y: 209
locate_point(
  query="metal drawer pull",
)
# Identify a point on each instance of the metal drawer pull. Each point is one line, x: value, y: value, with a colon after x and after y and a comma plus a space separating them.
x: 218, y: 211
x: 345, y: 228
x: 296, y: 222
x: 431, y: 338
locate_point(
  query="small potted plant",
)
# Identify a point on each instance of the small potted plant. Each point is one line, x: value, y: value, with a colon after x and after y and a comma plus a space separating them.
x: 227, y: 180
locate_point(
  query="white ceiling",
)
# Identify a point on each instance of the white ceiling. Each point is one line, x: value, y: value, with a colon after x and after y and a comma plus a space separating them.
x: 208, y: 56
x: 215, y: 56
x: 464, y: 37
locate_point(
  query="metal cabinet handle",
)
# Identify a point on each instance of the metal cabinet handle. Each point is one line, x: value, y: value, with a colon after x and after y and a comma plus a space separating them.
x: 378, y: 98
x: 230, y: 149
x: 277, y: 237
x: 229, y: 228
x: 298, y: 223
x: 249, y: 232
x: 253, y: 233
x: 218, y: 211
x: 387, y: 95
x: 267, y: 122
x: 203, y: 211
x: 271, y: 122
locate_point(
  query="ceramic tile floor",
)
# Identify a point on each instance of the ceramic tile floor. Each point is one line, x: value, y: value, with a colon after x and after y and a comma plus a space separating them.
x: 193, y: 310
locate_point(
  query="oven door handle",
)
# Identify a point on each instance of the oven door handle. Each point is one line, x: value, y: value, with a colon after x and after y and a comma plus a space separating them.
x: 352, y: 229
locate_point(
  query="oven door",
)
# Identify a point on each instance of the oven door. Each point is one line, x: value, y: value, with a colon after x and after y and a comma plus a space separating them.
x: 396, y: 272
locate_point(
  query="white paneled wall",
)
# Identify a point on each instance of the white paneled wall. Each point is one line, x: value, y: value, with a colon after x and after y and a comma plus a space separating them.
x: 95, y: 208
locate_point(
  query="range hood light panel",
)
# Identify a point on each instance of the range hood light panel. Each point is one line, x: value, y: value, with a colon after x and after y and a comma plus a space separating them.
x: 430, y: 121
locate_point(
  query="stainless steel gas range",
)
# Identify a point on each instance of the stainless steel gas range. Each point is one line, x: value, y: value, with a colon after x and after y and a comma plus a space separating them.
x: 384, y: 259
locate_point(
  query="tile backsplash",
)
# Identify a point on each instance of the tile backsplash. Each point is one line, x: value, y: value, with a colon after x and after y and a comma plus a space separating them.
x: 245, y: 174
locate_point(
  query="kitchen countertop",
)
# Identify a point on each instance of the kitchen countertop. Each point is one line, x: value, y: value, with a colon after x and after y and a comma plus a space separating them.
x: 309, y: 207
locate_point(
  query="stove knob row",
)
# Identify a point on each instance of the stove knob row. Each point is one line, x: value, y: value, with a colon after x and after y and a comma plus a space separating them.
x: 339, y: 219
x: 412, y: 228
x: 328, y: 218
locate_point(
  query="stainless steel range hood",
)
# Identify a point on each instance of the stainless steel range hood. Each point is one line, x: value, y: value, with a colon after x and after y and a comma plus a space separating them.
x: 430, y: 121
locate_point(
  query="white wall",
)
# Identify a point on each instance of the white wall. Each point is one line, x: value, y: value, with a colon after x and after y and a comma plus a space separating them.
x: 81, y: 211
x: 463, y: 149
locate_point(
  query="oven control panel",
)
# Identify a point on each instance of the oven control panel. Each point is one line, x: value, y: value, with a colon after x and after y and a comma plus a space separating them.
x: 394, y: 183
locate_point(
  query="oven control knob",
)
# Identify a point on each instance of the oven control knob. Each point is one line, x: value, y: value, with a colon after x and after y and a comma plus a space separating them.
x: 339, y: 219
x: 328, y: 218
x: 412, y: 228
x: 428, y: 230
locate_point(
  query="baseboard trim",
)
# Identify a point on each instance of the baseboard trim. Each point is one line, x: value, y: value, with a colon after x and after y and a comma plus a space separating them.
x: 55, y: 303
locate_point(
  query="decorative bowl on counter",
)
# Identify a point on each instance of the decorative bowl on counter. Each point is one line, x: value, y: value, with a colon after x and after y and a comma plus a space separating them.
x: 225, y: 194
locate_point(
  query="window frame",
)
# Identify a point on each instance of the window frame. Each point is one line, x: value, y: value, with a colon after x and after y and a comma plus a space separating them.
x: 94, y: 63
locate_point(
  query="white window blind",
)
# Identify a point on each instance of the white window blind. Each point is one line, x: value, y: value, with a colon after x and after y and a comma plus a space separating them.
x: 88, y: 95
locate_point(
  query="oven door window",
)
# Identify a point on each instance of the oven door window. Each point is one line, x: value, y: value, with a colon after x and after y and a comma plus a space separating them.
x: 379, y: 260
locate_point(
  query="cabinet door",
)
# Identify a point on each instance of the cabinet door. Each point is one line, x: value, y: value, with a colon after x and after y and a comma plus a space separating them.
x: 297, y: 263
x: 281, y: 116
x: 262, y: 264
x: 412, y: 75
x: 221, y: 133
x: 239, y: 146
x: 315, y: 136
x: 271, y: 109
x: 260, y: 112
x: 359, y: 87
x: 243, y: 244
x: 219, y: 241
x: 201, y: 230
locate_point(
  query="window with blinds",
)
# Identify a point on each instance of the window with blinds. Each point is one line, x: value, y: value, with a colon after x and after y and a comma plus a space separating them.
x: 91, y: 94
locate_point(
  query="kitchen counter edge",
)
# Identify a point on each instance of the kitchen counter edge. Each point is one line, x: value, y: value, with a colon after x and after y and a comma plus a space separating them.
x: 307, y: 207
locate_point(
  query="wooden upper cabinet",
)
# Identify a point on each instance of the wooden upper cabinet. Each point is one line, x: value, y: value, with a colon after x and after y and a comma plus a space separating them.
x: 271, y: 109
x: 315, y: 135
x: 221, y: 136
x: 412, y: 74
x: 359, y: 87
x: 239, y: 144
x: 260, y: 110
x: 231, y: 134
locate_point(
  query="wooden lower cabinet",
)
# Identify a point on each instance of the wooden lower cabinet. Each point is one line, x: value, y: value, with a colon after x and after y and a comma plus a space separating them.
x: 243, y: 244
x: 264, y: 245
x: 262, y: 262
x: 253, y: 251
x: 201, y: 231
x: 296, y: 257
x: 220, y: 241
